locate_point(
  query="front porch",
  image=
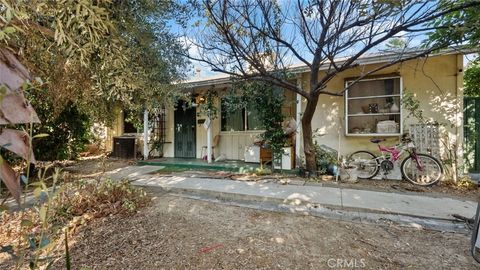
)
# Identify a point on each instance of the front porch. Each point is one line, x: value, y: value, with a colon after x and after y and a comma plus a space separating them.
x: 200, y: 164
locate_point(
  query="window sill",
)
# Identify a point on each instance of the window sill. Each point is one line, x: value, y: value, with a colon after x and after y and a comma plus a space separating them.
x: 372, y: 134
x: 241, y: 132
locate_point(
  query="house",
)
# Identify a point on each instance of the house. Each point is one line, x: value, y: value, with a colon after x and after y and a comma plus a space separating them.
x: 371, y: 108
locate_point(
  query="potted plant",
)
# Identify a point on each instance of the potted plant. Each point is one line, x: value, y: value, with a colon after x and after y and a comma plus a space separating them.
x: 326, y: 161
x: 348, y: 172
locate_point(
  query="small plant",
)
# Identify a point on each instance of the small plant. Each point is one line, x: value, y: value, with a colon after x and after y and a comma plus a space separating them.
x: 33, y: 235
x: 262, y: 171
x: 325, y: 157
x: 208, y: 107
x: 267, y: 100
x: 464, y: 183
x: 412, y: 106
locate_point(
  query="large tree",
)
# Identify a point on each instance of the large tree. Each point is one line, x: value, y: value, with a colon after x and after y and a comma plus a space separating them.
x: 94, y: 54
x: 248, y: 39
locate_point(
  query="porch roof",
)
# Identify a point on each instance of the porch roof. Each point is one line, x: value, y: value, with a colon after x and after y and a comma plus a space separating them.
x: 374, y: 58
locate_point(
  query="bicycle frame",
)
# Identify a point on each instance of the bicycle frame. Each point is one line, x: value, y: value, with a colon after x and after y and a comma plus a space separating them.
x: 397, y: 151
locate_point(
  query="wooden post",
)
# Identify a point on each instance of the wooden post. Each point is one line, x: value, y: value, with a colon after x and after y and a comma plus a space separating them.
x: 209, y: 139
x: 145, y: 135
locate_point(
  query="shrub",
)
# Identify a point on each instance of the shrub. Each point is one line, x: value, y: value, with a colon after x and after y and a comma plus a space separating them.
x: 99, y: 199
x: 325, y: 156
x: 33, y: 235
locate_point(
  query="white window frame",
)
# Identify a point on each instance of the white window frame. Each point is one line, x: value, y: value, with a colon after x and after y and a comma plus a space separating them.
x: 347, y: 115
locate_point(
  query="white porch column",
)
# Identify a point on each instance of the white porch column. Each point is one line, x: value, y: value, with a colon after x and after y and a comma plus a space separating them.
x: 145, y: 135
x: 298, y: 135
x: 209, y: 139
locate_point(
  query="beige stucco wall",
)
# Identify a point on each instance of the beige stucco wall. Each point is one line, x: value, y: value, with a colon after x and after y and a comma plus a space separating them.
x: 168, y: 149
x: 436, y: 82
x: 116, y: 129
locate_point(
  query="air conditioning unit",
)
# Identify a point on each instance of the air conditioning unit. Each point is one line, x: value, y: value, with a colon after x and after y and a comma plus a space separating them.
x: 124, y: 147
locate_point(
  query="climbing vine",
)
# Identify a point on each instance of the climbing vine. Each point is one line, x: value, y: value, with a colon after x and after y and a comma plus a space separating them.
x: 208, y: 107
x: 267, y: 100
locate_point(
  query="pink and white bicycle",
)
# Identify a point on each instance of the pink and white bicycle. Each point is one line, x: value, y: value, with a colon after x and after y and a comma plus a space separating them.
x: 419, y: 169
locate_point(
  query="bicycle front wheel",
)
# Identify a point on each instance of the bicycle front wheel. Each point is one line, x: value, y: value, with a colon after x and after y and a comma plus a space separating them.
x: 366, y: 163
x: 425, y: 171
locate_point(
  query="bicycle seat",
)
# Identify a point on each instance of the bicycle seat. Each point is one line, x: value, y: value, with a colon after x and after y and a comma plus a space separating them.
x: 377, y: 140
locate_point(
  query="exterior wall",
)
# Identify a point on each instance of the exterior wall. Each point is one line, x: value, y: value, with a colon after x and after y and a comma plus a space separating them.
x: 436, y: 82
x: 115, y: 130
x: 168, y: 150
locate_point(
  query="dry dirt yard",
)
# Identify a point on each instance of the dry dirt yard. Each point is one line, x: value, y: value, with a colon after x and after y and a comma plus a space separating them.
x: 181, y: 233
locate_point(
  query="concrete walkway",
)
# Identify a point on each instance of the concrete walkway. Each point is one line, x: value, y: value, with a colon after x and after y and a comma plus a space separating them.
x: 330, y: 197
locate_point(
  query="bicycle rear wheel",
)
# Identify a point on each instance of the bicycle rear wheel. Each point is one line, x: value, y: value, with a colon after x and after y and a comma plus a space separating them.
x: 475, y: 234
x: 427, y: 172
x: 366, y: 163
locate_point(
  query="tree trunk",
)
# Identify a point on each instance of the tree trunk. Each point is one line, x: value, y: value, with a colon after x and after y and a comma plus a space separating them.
x: 308, y: 146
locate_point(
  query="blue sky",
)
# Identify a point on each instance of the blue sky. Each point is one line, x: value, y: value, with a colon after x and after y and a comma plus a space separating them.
x: 205, y: 70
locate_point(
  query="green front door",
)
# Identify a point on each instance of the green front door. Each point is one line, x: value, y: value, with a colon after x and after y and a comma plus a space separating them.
x: 185, y: 130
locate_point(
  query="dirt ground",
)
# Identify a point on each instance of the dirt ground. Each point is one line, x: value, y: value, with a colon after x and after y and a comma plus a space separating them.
x: 181, y: 233
x: 91, y: 167
x: 441, y: 189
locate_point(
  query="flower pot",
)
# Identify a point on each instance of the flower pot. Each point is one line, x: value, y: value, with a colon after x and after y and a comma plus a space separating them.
x: 349, y: 174
x: 332, y: 169
x: 327, y: 177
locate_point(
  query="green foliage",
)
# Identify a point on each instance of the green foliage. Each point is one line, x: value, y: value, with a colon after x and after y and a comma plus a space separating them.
x: 69, y: 133
x: 96, y: 54
x: 456, y: 27
x: 268, y: 101
x: 471, y: 79
x: 68, y: 130
x: 209, y: 108
x: 324, y: 157
x: 396, y: 44
x: 412, y: 106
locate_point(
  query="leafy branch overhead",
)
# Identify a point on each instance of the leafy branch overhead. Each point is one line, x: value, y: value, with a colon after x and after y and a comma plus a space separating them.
x: 96, y: 54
